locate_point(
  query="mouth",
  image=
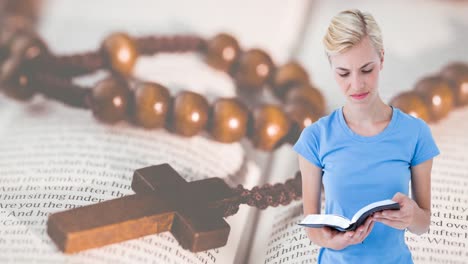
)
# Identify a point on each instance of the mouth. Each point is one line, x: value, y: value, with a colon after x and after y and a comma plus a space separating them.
x: 360, y: 96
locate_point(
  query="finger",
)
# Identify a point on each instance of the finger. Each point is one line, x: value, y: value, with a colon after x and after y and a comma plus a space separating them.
x: 371, y: 226
x: 389, y: 214
x: 348, y: 235
x: 364, y: 227
x: 366, y: 232
x: 327, y: 232
x: 362, y: 235
x: 391, y: 223
x: 363, y: 230
x: 392, y: 218
x: 366, y: 224
x: 352, y: 238
x: 358, y: 237
x: 369, y: 221
x: 341, y: 238
x: 399, y: 197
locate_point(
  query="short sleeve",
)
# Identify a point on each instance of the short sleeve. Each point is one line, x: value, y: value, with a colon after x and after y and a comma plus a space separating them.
x: 426, y: 147
x: 308, y: 145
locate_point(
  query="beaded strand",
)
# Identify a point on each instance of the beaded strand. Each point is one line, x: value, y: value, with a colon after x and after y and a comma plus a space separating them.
x: 150, y: 104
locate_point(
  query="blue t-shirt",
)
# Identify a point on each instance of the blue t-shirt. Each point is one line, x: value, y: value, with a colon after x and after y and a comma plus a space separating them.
x: 359, y: 170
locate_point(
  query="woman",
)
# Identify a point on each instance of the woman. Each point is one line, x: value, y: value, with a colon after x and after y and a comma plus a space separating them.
x: 364, y: 152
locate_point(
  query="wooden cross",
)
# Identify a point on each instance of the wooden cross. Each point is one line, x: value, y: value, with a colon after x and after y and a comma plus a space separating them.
x: 164, y: 201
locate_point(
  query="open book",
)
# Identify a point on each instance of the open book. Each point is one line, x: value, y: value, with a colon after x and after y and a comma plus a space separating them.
x: 342, y: 223
x: 54, y: 157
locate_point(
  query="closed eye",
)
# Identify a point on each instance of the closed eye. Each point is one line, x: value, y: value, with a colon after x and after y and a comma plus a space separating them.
x: 365, y: 72
x: 344, y: 75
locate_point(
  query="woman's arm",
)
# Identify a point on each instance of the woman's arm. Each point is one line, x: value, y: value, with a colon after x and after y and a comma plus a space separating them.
x: 311, y: 197
x: 414, y: 214
x: 311, y: 193
x: 421, y: 192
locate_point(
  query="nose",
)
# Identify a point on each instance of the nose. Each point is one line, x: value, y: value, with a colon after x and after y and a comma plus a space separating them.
x: 357, y: 82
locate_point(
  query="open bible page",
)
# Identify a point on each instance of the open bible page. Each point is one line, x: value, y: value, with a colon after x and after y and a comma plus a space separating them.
x: 54, y: 157
x: 49, y: 164
x: 342, y: 223
x: 369, y: 207
x: 279, y: 238
x: 319, y: 220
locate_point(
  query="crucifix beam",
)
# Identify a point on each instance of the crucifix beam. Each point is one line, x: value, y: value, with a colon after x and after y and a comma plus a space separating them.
x: 164, y: 201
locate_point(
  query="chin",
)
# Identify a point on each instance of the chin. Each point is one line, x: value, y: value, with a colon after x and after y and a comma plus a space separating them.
x: 359, y: 104
x: 363, y: 102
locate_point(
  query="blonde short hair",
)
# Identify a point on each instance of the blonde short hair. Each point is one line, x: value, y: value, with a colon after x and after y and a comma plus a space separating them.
x: 348, y: 28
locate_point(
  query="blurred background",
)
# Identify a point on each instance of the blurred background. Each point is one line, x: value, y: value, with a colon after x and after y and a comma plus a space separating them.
x: 420, y: 37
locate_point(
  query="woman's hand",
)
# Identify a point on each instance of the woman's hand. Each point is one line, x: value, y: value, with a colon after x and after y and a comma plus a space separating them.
x: 338, y: 240
x: 399, y: 219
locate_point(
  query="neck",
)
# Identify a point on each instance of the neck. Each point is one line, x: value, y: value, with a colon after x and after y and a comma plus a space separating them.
x: 367, y: 114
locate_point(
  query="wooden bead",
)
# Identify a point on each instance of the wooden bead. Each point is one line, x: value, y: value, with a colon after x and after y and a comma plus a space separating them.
x: 10, y: 68
x: 151, y: 104
x: 460, y: 90
x: 222, y: 51
x: 29, y: 10
x: 3, y: 55
x: 270, y: 125
x: 455, y: 68
x: 18, y: 87
x: 23, y: 47
x: 309, y: 94
x: 437, y: 95
x: 28, y: 46
x: 301, y: 113
x: 289, y: 75
x: 457, y: 73
x: 190, y: 113
x: 12, y: 26
x: 412, y: 103
x: 120, y: 52
x: 228, y: 120
x: 7, y: 35
x: 253, y: 70
x: 109, y: 100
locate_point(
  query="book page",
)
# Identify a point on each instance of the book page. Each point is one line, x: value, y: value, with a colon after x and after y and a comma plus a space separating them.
x: 49, y: 164
x: 278, y: 237
x: 341, y: 222
x: 369, y: 207
x: 319, y: 220
x: 447, y: 239
x: 54, y: 157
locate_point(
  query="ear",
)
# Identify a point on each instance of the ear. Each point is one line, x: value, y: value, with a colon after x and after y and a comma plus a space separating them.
x: 382, y: 56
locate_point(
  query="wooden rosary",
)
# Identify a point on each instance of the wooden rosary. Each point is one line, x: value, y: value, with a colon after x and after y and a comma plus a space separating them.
x: 164, y: 201
x: 149, y: 104
x: 434, y: 96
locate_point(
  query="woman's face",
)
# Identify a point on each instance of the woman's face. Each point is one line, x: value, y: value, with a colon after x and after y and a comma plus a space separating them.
x: 357, y: 72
